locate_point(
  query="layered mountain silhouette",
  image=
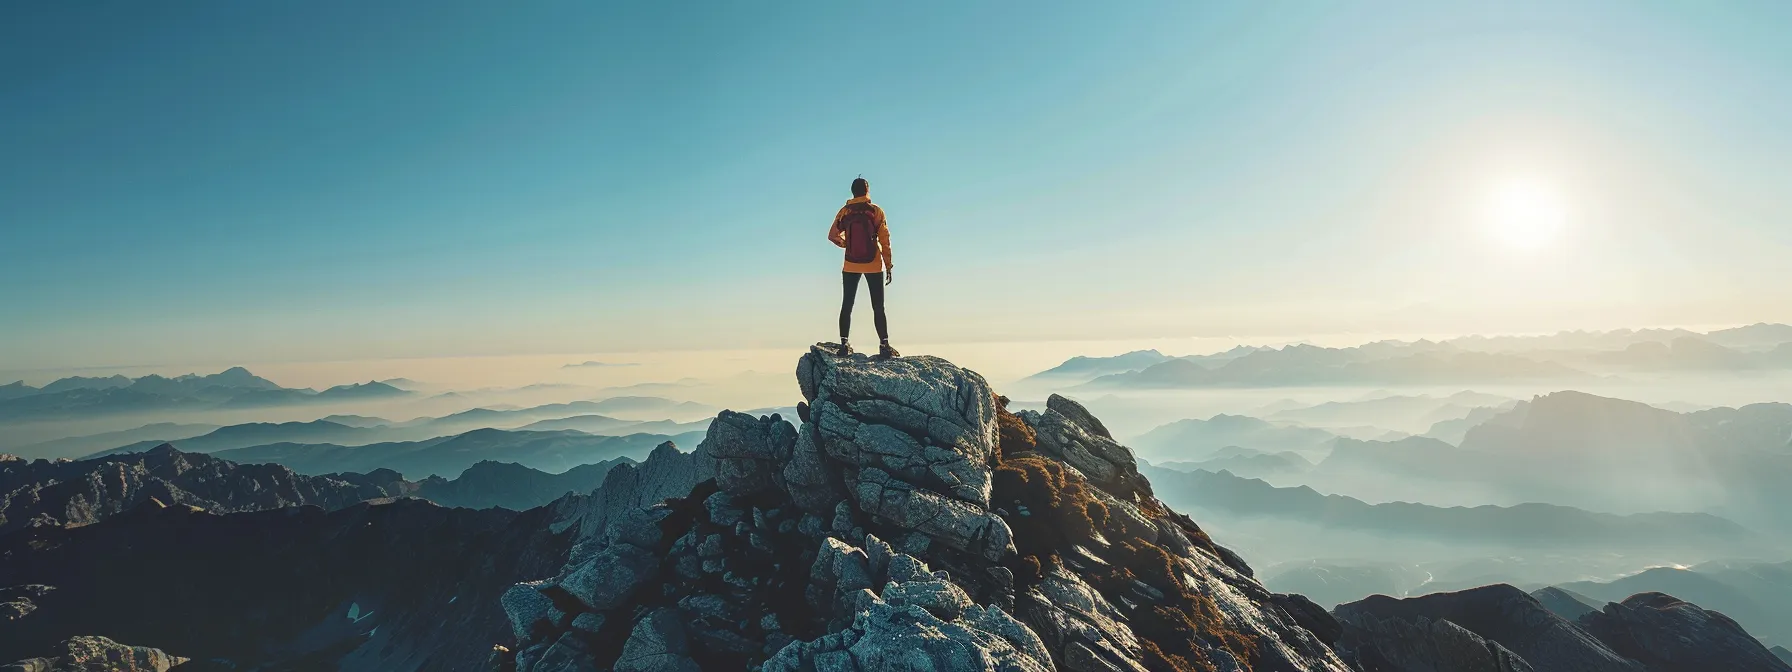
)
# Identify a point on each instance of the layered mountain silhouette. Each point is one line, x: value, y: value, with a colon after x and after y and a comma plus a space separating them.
x: 1247, y: 463
x: 909, y: 522
x: 232, y: 388
x: 64, y: 492
x: 1756, y: 594
x: 1306, y: 365
x: 1529, y: 524
x: 1503, y: 359
x: 553, y: 452
x: 1501, y: 628
x: 1194, y: 440
x: 1736, y: 459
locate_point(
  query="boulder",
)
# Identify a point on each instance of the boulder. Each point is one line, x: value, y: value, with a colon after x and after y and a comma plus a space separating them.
x: 749, y: 452
x: 609, y: 578
x: 657, y: 644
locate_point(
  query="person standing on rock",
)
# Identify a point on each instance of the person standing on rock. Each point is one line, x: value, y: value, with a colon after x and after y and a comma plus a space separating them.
x: 860, y: 228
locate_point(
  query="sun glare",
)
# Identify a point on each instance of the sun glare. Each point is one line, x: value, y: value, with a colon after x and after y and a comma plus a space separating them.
x: 1525, y: 215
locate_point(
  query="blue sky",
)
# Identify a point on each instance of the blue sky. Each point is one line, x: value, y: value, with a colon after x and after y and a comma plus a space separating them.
x: 217, y: 181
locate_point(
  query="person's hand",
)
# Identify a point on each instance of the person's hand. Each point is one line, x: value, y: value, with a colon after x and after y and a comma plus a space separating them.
x: 889, y: 274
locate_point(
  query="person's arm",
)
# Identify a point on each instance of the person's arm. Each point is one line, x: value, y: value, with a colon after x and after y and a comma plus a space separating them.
x: 883, y: 239
x: 837, y: 235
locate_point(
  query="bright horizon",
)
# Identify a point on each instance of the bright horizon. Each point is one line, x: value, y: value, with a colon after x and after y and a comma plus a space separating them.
x: 323, y: 187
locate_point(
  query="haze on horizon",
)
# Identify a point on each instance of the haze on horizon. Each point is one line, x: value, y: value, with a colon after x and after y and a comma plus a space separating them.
x: 330, y: 182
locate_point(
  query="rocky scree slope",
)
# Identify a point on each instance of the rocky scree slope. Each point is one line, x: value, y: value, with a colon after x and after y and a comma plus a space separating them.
x: 909, y: 523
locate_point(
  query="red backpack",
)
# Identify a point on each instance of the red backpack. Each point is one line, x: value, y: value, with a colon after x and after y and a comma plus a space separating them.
x: 860, y: 225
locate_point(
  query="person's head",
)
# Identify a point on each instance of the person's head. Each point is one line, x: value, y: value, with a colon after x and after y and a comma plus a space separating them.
x: 860, y: 188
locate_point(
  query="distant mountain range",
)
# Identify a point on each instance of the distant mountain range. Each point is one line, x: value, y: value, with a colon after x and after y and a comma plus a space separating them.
x: 552, y: 452
x: 1757, y: 594
x: 232, y: 388
x: 1500, y: 627
x: 1195, y: 440
x: 43, y: 492
x: 1529, y: 524
x: 1306, y: 365
x: 351, y: 430
x: 1412, y: 413
x: 1547, y: 449
x: 1247, y: 463
x: 1564, y: 356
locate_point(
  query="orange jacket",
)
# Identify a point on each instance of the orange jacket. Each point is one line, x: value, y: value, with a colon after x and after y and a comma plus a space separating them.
x: 837, y: 236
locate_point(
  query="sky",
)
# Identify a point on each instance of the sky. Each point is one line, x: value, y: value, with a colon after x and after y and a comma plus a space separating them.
x: 221, y: 182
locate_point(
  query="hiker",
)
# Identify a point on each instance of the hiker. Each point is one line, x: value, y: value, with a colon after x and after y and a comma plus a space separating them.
x: 860, y: 228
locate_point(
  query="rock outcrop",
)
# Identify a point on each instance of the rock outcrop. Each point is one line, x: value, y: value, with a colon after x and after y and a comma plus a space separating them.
x: 909, y: 523
x: 1669, y: 635
x: 98, y: 654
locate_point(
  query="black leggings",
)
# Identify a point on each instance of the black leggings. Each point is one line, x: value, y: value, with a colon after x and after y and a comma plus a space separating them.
x: 849, y: 281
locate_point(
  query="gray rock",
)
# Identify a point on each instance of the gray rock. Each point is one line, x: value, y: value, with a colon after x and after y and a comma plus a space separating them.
x: 1102, y: 460
x: 940, y: 598
x: 636, y: 527
x: 962, y: 526
x: 569, y: 653
x: 657, y: 644
x: 667, y: 473
x: 524, y: 604
x: 813, y: 481
x: 610, y: 577
x: 886, y: 637
x: 588, y: 623
x: 1075, y: 413
x: 721, y: 509
x: 749, y: 452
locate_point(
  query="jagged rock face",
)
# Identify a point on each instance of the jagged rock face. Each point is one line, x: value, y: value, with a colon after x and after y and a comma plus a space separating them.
x: 98, y: 654
x: 781, y: 561
x: 77, y: 492
x: 666, y: 473
x: 1669, y: 635
x: 382, y: 586
x: 1068, y: 432
x: 749, y: 452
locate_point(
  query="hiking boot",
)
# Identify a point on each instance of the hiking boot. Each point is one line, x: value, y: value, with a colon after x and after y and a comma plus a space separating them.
x: 887, y: 352
x: 844, y: 350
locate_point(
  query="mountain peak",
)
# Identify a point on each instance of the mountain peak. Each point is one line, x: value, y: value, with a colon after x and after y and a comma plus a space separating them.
x: 914, y: 506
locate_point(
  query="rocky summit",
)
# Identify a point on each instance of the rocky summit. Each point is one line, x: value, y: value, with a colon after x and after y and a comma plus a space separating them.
x: 908, y: 523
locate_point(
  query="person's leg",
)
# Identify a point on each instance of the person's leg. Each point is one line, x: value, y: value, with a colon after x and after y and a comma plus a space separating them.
x: 849, y: 284
x: 876, y: 285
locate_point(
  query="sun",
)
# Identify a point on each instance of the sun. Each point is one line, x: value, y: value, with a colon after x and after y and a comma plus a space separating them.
x: 1525, y: 215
